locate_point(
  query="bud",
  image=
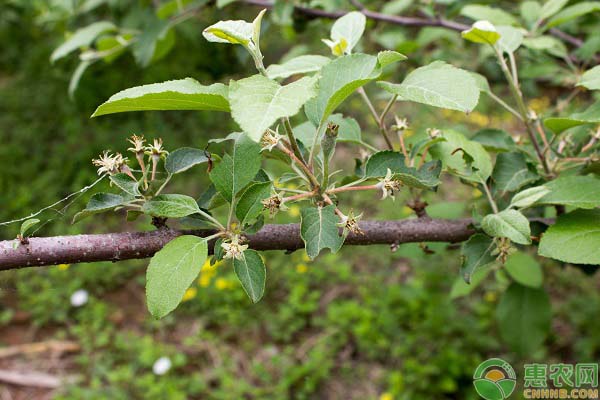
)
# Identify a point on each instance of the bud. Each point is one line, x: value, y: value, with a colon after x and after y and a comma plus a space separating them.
x: 389, y: 186
x: 270, y: 139
x: 350, y: 223
x: 234, y: 249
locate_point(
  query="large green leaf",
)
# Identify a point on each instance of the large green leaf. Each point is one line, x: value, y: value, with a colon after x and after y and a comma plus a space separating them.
x: 511, y: 172
x: 82, y: 38
x: 425, y: 177
x: 252, y: 274
x: 440, y: 85
x: 184, y: 94
x: 476, y: 254
x: 298, y: 65
x: 574, y: 191
x: 590, y: 116
x: 257, y: 102
x: 319, y: 230
x: 574, y: 238
x: 236, y: 171
x: 524, y: 317
x: 524, y: 269
x: 492, y: 14
x: 250, y: 206
x: 339, y: 79
x: 591, y: 79
x: 183, y: 159
x: 99, y: 203
x: 171, y: 206
x: 574, y: 11
x: 171, y: 271
x: 463, y: 157
x: 509, y: 224
x: 350, y: 28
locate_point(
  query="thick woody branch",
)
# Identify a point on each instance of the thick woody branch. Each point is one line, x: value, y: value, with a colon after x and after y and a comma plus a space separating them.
x: 130, y: 245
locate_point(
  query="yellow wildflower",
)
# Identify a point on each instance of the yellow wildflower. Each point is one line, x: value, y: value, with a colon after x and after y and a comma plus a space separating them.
x: 301, y: 268
x: 223, y: 284
x: 190, y: 294
x: 204, y: 280
x: 490, y: 297
x: 63, y: 267
x: 294, y: 211
x: 386, y: 396
x: 477, y: 193
x: 305, y: 257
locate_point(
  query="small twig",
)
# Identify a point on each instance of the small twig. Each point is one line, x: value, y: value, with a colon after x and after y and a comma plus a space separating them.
x: 313, y: 180
x: 352, y: 189
x: 375, y: 116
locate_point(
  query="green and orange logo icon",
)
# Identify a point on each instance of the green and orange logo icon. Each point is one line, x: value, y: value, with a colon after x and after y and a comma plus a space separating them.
x: 494, y: 379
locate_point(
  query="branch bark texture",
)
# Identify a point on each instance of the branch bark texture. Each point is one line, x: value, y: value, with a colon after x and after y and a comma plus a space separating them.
x: 130, y: 245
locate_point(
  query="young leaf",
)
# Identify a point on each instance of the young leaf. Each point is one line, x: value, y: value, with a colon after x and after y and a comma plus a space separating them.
x: 184, y: 94
x: 572, y: 12
x: 183, y: 159
x: 482, y: 32
x: 524, y: 269
x: 171, y: 271
x: 27, y: 225
x: 511, y: 172
x: 388, y: 57
x: 574, y: 191
x: 252, y: 274
x: 524, y: 317
x: 559, y: 124
x: 236, y: 171
x: 82, y: 38
x: 257, y: 102
x: 528, y: 197
x: 508, y: 223
x: 426, y: 177
x: 339, y: 79
x: 299, y: 65
x: 492, y: 14
x: 591, y: 79
x: 350, y: 28
x: 463, y: 157
x: 510, y: 38
x: 319, y: 230
x: 249, y: 206
x: 476, y: 254
x: 99, y: 203
x: 232, y: 32
x: 574, y: 238
x: 171, y: 206
x: 551, y: 7
x: 126, y: 184
x: 440, y: 85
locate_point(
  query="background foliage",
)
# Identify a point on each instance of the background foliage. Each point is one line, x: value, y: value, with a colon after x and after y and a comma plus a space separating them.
x: 358, y: 324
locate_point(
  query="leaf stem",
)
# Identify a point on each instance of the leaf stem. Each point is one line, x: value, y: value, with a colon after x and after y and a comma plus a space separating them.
x: 293, y: 143
x: 313, y: 180
x: 376, y: 116
x: 352, y: 189
x: 489, y: 197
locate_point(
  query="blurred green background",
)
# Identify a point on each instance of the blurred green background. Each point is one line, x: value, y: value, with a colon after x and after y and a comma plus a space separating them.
x: 366, y: 323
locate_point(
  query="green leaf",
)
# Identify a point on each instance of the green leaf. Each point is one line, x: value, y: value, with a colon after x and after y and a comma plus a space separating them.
x: 348, y: 131
x: 528, y: 197
x: 495, y: 140
x: 233, y: 32
x: 590, y: 116
x: 183, y: 94
x: 440, y: 85
x: 319, y: 230
x: 249, y: 206
x: 492, y: 14
x: 512, y: 172
x: 482, y: 32
x: 157, y: 38
x: 551, y: 7
x: 170, y: 206
x: 305, y: 64
x: 524, y: 317
x: 388, y: 57
x: 27, y: 225
x: 82, y: 38
x: 546, y: 43
x: 591, y: 79
x: 510, y: 38
x: 252, y: 274
x: 524, y: 269
x: 463, y: 157
x: 171, y: 271
x: 257, y: 102
x: 426, y: 177
x: 574, y: 238
x: 350, y: 28
x: 99, y: 203
x: 339, y: 79
x: 509, y: 224
x: 574, y: 11
x: 234, y: 172
x: 126, y: 184
x: 460, y: 288
x: 183, y: 159
x: 574, y: 191
x: 476, y: 254
x: 76, y: 77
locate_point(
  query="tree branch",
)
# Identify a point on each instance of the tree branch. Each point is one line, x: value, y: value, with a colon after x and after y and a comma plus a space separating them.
x: 130, y: 245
